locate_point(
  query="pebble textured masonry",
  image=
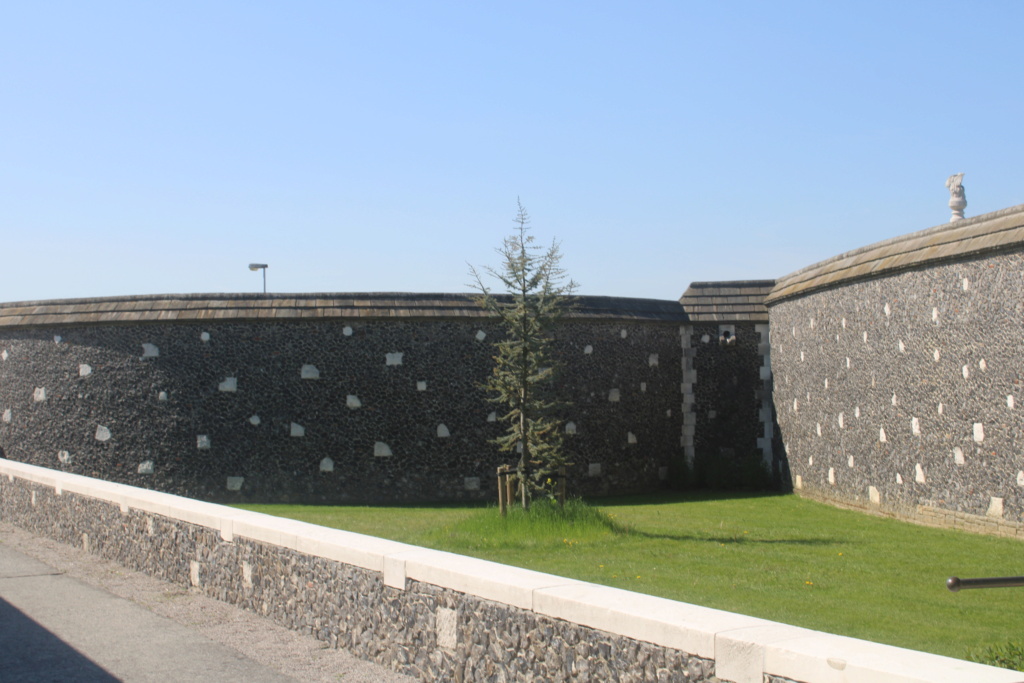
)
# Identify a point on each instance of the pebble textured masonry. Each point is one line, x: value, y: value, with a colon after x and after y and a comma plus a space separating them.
x: 247, y: 409
x: 426, y: 631
x: 898, y: 392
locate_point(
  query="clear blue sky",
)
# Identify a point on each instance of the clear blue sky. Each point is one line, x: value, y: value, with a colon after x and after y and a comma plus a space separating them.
x: 159, y: 147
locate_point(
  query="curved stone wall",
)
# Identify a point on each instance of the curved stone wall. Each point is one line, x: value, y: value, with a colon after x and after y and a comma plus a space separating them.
x: 323, y: 397
x: 898, y: 373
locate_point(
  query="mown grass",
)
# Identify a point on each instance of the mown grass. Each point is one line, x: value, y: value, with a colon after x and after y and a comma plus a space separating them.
x: 777, y: 557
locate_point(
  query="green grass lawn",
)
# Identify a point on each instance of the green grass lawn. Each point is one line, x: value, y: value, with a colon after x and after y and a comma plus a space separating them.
x: 778, y: 557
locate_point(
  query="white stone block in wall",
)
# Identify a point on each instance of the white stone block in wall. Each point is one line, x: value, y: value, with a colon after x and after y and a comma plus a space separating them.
x: 352, y: 402
x: 966, y: 284
x: 309, y: 372
x: 979, y: 432
x: 888, y: 310
x: 347, y: 331
x: 899, y: 478
x: 847, y: 362
x: 935, y: 316
x: 613, y: 395
x: 393, y: 358
x: 817, y: 428
x: 446, y: 624
x: 193, y: 572
x: 826, y: 382
x: 588, y: 349
x: 3, y: 354
x: 146, y: 467
x: 798, y: 483
x: 801, y: 356
x: 1020, y: 478
x: 849, y: 461
x: 901, y: 346
x: 856, y: 412
x: 810, y: 461
x: 594, y: 469
x: 230, y: 385
x: 246, y: 574
x: 570, y: 427
x: 162, y: 396
x: 919, y: 474
x: 796, y: 405
x: 421, y: 386
x: 481, y: 335
x: 442, y: 431
x: 327, y: 465
x: 839, y: 419
x: 203, y: 442
x: 915, y: 426
x: 982, y: 365
x: 643, y: 387
x: 471, y: 483
x: 940, y: 409
x: 652, y: 360
x: 1009, y: 401
x: 881, y: 434
x: 296, y: 430
x: 64, y: 458
x: 893, y: 400
x: 630, y: 437
x: 102, y: 433
x: 150, y: 351
x: 865, y: 336
x: 254, y: 420
x: 39, y: 394
x: 204, y: 336
x: 381, y: 449
x: 492, y: 416
x: 84, y: 370
x: 705, y: 338
x: 936, y: 355
x: 965, y: 371
x: 958, y: 455
x: 995, y: 507
x: 874, y: 496
x: 832, y: 476
x: 623, y: 334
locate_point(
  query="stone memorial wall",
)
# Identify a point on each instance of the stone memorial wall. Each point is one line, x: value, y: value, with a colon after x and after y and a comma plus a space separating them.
x: 324, y: 398
x: 899, y: 372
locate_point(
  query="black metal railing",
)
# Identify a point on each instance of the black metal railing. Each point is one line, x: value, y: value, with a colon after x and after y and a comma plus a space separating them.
x: 955, y: 584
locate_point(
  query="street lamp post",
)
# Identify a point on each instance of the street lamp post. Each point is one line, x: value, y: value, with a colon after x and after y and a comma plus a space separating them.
x: 263, y: 267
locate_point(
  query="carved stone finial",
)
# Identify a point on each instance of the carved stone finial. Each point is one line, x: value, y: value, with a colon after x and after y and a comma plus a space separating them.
x: 957, y: 198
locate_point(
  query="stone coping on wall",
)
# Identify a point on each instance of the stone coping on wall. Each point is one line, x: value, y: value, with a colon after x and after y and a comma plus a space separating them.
x: 745, y: 649
x: 264, y: 307
x: 736, y: 301
x: 991, y: 232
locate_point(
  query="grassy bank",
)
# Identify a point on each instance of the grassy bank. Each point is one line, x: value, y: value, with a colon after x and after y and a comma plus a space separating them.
x: 777, y: 557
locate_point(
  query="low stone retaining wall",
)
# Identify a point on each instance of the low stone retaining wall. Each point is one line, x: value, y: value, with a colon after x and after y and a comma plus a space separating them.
x: 436, y: 615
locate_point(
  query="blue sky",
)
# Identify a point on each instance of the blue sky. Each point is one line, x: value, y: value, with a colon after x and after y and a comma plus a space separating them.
x: 160, y: 147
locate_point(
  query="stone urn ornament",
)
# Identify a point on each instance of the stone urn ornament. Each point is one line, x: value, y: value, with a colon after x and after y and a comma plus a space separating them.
x: 957, y: 198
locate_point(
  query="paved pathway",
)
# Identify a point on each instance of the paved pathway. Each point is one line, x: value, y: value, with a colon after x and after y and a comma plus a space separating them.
x: 67, y: 615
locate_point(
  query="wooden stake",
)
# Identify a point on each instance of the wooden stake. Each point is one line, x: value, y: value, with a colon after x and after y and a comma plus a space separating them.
x: 502, y: 475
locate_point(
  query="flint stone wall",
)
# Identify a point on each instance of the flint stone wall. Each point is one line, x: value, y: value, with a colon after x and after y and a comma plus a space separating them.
x: 319, y: 400
x: 898, y: 375
x: 426, y: 631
